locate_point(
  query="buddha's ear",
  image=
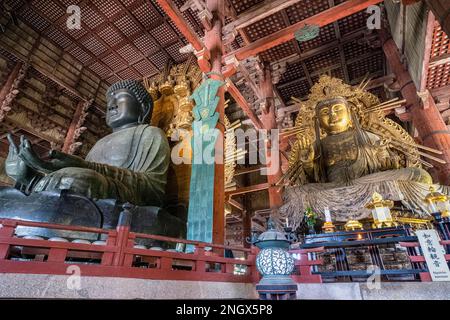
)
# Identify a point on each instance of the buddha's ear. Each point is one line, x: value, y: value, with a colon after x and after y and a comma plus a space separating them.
x: 146, y: 117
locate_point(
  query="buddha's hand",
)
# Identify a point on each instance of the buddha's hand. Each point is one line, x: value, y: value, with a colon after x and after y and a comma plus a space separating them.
x: 306, y: 151
x: 58, y: 160
x: 15, y: 167
x: 64, y: 160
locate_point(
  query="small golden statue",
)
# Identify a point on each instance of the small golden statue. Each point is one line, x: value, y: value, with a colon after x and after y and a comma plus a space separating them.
x: 347, y: 149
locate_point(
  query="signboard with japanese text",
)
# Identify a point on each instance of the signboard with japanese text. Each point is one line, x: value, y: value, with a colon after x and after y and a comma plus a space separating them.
x: 434, y: 253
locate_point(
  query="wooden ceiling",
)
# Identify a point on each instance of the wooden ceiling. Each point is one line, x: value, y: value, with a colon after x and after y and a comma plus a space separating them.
x: 117, y: 40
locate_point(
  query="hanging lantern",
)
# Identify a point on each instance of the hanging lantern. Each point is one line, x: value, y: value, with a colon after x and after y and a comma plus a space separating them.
x: 306, y: 33
x: 381, y: 211
x: 438, y: 203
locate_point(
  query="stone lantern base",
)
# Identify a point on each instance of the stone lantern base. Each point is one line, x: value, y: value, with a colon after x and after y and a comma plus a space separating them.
x: 277, y: 288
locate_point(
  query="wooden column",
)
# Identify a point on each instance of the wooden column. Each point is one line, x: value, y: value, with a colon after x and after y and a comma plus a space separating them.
x: 246, y: 227
x: 10, y: 88
x: 441, y: 9
x: 269, y: 122
x: 75, y: 128
x: 425, y: 116
x: 214, y: 45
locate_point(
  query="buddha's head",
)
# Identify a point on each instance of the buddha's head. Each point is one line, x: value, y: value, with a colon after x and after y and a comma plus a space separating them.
x: 334, y: 115
x: 128, y: 103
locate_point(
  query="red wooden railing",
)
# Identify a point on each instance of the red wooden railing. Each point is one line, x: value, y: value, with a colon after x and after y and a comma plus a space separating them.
x: 415, y: 257
x: 304, y: 264
x: 119, y: 257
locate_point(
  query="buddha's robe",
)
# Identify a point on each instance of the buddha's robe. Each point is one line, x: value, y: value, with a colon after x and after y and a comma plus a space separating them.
x: 129, y: 165
x: 343, y: 159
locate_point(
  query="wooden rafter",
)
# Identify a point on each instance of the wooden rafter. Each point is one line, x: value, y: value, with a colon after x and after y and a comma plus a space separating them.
x: 267, y: 8
x: 28, y: 54
x: 177, y: 17
x: 248, y: 189
x: 321, y: 19
x: 427, y: 50
x: 242, y: 102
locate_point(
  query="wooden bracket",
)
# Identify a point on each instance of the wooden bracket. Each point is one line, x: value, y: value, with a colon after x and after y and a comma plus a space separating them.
x: 203, y: 57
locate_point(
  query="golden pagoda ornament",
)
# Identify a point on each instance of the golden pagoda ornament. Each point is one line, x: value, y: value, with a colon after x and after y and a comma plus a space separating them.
x: 353, y: 225
x: 438, y: 202
x: 381, y: 211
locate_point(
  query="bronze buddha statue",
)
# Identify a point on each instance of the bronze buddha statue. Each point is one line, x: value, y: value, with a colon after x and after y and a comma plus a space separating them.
x: 346, y: 150
x: 130, y: 164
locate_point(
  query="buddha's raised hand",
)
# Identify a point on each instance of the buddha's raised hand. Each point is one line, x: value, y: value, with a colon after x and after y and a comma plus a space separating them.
x: 15, y: 167
x: 306, y: 150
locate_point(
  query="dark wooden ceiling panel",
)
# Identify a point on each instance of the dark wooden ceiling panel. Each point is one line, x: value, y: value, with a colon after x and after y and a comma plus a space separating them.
x: 354, y: 22
x: 159, y: 59
x: 299, y: 89
x: 127, y: 25
x: 305, y: 9
x: 145, y: 68
x: 108, y: 7
x: 164, y: 34
x: 326, y: 35
x: 323, y: 60
x: 369, y: 65
x: 243, y: 5
x: 279, y: 52
x: 58, y: 37
x: 146, y: 44
x: 265, y: 27
x: 34, y: 19
x: 293, y: 71
x: 49, y: 8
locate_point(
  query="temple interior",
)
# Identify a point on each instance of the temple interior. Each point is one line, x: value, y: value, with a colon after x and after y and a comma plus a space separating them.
x: 257, y: 146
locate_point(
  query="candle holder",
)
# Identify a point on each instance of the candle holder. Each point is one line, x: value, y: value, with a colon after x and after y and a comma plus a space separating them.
x: 328, y: 226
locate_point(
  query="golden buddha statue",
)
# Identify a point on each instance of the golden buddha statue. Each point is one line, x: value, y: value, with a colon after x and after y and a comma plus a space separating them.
x: 346, y: 150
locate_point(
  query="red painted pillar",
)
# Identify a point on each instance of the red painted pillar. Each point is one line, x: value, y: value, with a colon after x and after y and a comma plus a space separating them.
x: 269, y: 122
x: 425, y: 116
x: 214, y: 44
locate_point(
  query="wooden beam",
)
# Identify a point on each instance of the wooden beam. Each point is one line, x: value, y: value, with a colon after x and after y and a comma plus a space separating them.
x: 10, y: 89
x: 75, y: 125
x: 236, y: 204
x: 270, y: 122
x: 321, y: 19
x: 441, y: 92
x: 240, y: 100
x: 267, y: 8
x: 441, y: 10
x: 249, y: 189
x: 427, y: 50
x: 440, y: 60
x: 177, y: 17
